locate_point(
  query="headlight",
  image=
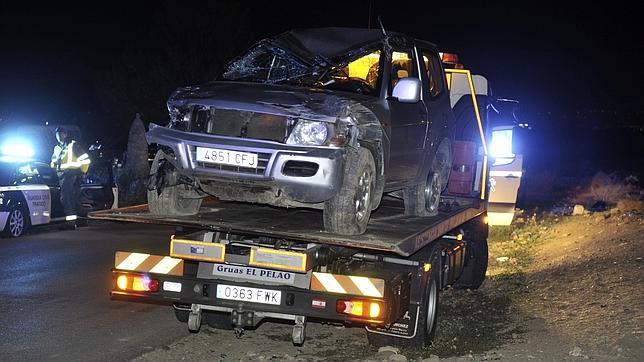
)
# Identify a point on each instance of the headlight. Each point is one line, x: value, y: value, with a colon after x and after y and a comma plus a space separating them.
x: 308, y: 133
x: 179, y: 118
x: 501, y: 146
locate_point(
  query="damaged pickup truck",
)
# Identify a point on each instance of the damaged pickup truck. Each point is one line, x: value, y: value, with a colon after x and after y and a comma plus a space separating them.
x: 322, y: 118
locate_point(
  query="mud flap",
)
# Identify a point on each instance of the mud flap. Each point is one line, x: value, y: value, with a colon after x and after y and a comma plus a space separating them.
x: 405, y: 327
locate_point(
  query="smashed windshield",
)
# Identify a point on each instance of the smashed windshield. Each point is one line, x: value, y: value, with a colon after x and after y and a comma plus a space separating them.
x: 270, y: 64
x: 266, y: 64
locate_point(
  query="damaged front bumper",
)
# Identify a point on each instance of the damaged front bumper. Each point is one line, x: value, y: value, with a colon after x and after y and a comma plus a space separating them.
x: 301, y: 174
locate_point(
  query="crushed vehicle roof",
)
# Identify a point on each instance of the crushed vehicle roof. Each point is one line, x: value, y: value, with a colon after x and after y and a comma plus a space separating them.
x: 331, y: 42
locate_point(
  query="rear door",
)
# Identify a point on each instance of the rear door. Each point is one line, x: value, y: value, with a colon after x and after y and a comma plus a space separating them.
x: 408, y: 121
x: 436, y: 100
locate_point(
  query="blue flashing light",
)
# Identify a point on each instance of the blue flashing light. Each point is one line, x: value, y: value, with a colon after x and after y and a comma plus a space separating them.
x: 17, y: 150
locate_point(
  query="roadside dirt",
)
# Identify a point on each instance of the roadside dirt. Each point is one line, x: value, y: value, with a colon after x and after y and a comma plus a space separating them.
x: 558, y: 288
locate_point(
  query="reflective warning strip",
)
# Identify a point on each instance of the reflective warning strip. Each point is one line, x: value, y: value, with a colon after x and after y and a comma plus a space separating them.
x: 345, y: 284
x: 147, y: 263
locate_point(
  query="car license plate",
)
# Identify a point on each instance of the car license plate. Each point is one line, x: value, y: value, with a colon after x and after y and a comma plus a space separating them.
x: 227, y: 157
x: 255, y: 295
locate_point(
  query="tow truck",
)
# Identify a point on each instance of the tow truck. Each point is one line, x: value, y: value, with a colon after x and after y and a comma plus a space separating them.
x: 234, y: 264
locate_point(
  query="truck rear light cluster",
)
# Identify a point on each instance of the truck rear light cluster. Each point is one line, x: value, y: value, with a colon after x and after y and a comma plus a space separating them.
x: 363, y: 309
x: 137, y: 283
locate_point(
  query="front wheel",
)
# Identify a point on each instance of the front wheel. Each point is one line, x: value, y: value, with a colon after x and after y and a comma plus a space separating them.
x: 348, y: 212
x: 16, y: 224
x: 174, y: 199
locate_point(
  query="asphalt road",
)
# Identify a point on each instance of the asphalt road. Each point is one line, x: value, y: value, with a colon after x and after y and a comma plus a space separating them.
x: 54, y: 296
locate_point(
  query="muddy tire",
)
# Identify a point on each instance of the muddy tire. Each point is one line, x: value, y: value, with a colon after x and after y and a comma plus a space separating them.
x: 348, y: 212
x: 424, y: 199
x: 174, y: 199
x: 427, y: 318
x: 476, y: 257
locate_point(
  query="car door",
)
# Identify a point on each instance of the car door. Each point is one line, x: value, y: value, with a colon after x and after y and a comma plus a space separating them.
x: 48, y: 177
x: 436, y: 100
x: 408, y: 121
x: 96, y: 188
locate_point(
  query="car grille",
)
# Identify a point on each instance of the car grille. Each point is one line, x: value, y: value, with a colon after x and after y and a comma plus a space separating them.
x: 234, y: 123
x: 262, y: 163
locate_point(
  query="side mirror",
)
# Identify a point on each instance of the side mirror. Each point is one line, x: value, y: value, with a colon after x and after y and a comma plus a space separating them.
x: 407, y: 90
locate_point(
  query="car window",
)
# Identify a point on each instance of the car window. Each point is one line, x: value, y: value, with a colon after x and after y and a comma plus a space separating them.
x: 365, y: 69
x: 47, y: 175
x: 402, y: 66
x: 435, y: 80
x: 25, y: 174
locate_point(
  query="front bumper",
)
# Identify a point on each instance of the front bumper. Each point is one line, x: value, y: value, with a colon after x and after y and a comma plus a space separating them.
x: 273, y: 157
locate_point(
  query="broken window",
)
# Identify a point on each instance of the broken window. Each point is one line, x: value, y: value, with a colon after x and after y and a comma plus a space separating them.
x: 265, y: 64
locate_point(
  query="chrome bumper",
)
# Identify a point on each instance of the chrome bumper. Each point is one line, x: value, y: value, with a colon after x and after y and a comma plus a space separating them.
x: 272, y: 156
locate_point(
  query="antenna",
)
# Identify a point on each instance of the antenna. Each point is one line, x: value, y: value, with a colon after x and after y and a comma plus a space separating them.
x: 382, y: 27
x: 369, y: 21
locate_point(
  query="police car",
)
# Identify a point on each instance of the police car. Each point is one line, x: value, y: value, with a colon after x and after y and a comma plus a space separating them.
x: 30, y: 196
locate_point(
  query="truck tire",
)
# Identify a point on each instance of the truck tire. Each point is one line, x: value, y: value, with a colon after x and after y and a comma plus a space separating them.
x: 174, y: 199
x: 424, y: 199
x: 348, y: 212
x: 427, y: 318
x: 476, y: 256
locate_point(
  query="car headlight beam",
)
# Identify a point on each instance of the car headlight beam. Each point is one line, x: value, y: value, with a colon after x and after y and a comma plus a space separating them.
x: 309, y: 133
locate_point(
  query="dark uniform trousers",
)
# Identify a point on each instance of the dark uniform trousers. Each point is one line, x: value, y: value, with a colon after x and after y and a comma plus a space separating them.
x: 69, y: 190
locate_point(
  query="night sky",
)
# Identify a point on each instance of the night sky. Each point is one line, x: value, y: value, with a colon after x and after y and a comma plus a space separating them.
x: 60, y: 63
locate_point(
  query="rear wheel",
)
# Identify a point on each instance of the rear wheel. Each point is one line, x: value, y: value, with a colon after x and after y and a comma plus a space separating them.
x: 427, y: 315
x: 16, y: 223
x: 175, y: 199
x: 424, y: 199
x: 348, y: 212
x: 473, y: 275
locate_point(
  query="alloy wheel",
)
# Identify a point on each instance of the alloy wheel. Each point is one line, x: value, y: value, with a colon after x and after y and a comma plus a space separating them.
x: 432, y: 192
x: 16, y: 223
x: 362, y: 198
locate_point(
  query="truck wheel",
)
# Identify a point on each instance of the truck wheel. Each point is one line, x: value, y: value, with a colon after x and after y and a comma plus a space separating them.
x: 427, y: 318
x: 16, y: 224
x: 473, y: 275
x: 348, y: 212
x: 174, y: 199
x: 424, y: 199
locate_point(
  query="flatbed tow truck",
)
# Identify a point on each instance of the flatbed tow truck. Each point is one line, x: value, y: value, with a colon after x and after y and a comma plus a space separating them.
x: 234, y: 264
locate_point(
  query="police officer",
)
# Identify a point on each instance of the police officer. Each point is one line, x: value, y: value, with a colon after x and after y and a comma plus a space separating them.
x: 70, y: 163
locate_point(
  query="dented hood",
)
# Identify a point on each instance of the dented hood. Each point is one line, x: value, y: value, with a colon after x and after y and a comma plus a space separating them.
x: 282, y: 100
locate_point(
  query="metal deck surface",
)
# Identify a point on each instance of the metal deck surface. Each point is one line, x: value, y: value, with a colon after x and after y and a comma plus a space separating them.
x: 389, y: 229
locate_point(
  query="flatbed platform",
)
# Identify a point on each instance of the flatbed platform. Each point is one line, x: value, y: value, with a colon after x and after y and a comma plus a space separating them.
x: 389, y: 229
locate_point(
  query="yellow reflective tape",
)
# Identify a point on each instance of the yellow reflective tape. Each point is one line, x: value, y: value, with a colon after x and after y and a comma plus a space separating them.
x: 301, y: 267
x: 366, y: 286
x: 165, y: 265
x: 329, y: 283
x: 132, y: 261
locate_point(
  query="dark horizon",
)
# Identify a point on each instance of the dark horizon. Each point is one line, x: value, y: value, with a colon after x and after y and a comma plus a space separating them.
x: 563, y: 59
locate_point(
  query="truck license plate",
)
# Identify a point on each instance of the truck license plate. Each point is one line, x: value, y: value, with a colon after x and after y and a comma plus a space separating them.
x: 227, y: 157
x: 255, y: 295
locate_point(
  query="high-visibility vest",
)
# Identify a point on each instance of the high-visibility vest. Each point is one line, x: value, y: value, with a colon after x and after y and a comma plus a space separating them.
x: 69, y: 162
